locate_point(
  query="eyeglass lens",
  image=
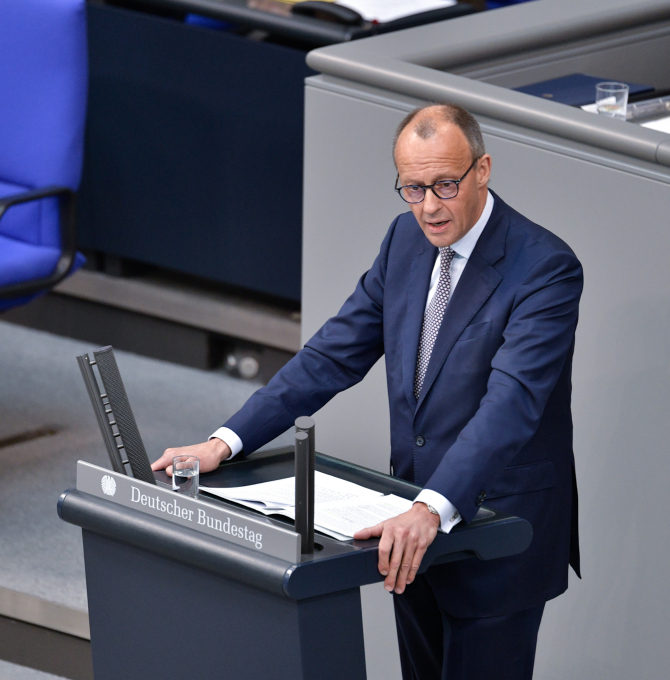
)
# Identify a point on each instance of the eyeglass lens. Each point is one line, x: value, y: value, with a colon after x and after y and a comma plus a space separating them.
x: 416, y: 194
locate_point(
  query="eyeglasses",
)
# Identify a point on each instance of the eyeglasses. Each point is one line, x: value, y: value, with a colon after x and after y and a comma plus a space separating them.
x: 446, y: 188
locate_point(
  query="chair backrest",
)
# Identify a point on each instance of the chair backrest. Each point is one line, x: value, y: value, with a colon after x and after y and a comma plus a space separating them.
x: 43, y: 91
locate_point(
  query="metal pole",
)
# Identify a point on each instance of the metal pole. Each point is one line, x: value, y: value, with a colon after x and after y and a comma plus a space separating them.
x: 305, y: 462
x: 302, y: 492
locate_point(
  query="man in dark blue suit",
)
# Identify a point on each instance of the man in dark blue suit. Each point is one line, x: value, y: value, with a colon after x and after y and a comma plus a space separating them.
x: 475, y: 308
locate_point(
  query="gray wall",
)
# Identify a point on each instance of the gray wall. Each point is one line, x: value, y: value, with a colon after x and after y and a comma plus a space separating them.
x: 617, y: 57
x: 348, y: 206
x: 614, y: 214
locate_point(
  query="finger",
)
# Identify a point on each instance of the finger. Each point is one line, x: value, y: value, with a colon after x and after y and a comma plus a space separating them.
x: 399, y: 538
x: 168, y: 469
x: 416, y: 563
x: 394, y: 565
x: 412, y: 566
x: 160, y: 463
x: 384, y: 550
x: 368, y: 532
x: 406, y: 562
x: 403, y: 572
x: 163, y: 461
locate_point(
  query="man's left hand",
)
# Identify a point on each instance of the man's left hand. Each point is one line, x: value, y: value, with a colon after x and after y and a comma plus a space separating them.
x: 404, y: 541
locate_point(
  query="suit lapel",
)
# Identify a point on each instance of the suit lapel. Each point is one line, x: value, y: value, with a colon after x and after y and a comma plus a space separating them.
x: 417, y: 290
x: 477, y: 283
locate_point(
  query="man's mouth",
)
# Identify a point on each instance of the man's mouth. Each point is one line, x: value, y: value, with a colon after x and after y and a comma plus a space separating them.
x: 437, y: 225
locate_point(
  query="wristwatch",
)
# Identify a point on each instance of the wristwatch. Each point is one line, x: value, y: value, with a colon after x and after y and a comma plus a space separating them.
x: 431, y: 509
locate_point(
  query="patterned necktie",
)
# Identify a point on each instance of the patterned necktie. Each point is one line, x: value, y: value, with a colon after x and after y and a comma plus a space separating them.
x: 432, y: 319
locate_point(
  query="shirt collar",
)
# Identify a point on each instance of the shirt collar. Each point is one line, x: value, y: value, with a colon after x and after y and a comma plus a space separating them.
x: 464, y: 246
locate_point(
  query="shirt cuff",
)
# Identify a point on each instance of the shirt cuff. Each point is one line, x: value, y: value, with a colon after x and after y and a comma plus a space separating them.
x: 449, y: 516
x: 229, y: 437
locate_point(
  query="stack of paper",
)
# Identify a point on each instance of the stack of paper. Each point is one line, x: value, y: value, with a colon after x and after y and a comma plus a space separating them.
x: 663, y: 125
x: 341, y: 508
x: 389, y: 10
x: 342, y: 519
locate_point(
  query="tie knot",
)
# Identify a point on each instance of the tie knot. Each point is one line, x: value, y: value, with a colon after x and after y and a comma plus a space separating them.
x: 446, y: 256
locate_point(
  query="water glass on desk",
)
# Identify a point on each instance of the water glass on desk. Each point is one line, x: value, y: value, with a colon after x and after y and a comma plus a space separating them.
x: 186, y: 475
x: 612, y: 99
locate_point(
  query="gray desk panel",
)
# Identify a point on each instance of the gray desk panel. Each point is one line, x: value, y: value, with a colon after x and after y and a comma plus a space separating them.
x: 406, y: 63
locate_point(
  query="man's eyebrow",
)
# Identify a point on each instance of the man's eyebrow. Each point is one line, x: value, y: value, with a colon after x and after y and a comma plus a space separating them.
x: 420, y: 184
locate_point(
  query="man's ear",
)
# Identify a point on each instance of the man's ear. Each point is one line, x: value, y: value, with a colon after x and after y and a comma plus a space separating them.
x: 484, y: 170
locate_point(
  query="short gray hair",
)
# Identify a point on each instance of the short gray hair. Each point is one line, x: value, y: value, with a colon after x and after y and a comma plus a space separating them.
x: 426, y: 126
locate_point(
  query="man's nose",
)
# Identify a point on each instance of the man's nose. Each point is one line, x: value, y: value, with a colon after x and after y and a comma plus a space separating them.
x: 431, y: 203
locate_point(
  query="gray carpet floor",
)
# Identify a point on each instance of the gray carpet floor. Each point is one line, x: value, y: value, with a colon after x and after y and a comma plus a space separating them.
x: 41, y: 387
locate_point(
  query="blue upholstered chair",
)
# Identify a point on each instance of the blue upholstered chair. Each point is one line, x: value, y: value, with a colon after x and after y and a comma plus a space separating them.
x: 43, y: 88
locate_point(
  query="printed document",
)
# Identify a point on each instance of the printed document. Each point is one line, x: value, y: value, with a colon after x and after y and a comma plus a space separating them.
x: 341, y: 508
x: 280, y: 493
x: 342, y: 519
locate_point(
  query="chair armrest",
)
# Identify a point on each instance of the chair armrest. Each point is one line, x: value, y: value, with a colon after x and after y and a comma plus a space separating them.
x: 67, y: 211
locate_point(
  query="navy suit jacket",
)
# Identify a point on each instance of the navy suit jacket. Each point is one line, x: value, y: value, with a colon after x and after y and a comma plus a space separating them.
x: 494, y: 413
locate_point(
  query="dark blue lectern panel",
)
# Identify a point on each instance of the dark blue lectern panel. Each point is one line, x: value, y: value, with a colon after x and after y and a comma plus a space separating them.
x: 167, y: 601
x: 153, y: 617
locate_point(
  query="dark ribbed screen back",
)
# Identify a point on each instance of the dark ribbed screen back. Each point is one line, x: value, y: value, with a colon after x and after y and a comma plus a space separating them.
x: 125, y: 421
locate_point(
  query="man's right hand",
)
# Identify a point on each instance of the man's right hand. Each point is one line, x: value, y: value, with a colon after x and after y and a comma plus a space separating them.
x: 211, y: 455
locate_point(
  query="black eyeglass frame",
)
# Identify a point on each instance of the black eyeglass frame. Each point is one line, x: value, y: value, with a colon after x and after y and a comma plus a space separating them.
x: 457, y: 182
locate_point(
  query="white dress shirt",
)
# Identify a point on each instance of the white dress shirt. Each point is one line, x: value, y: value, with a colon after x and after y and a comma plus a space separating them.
x: 449, y: 515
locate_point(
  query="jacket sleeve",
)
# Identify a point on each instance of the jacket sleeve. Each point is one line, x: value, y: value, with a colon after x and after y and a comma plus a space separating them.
x: 537, y: 341
x: 337, y: 357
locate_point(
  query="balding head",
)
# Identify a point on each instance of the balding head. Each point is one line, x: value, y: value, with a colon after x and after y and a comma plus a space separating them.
x: 426, y: 121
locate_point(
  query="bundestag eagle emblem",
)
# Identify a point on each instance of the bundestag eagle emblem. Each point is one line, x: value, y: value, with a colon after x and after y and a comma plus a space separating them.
x: 108, y: 485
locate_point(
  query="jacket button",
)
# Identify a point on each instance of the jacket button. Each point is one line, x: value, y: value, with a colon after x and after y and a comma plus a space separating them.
x: 480, y: 498
x: 419, y: 441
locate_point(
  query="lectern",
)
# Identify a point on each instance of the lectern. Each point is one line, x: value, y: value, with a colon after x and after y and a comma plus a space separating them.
x: 181, y: 588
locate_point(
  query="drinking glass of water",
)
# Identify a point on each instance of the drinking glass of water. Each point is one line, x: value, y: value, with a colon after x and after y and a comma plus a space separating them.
x: 612, y: 99
x: 186, y: 475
